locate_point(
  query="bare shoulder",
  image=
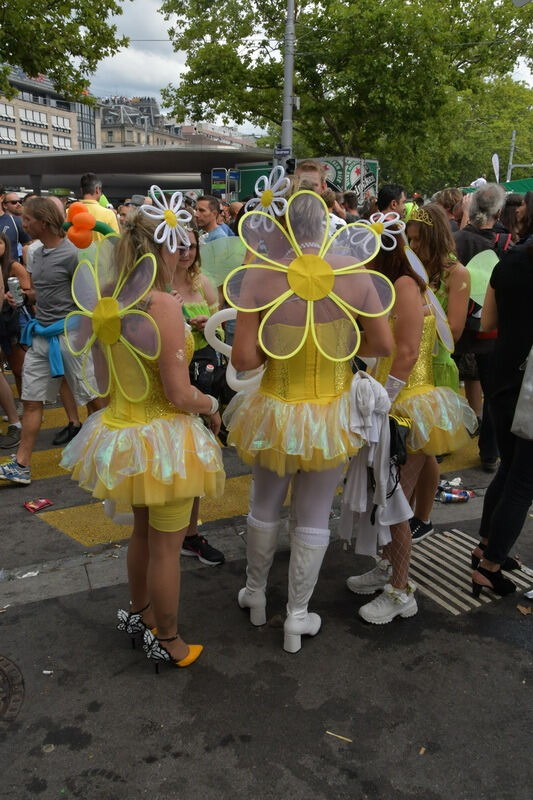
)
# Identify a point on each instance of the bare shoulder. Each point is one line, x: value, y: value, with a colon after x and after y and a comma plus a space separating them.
x: 160, y: 304
x: 405, y: 286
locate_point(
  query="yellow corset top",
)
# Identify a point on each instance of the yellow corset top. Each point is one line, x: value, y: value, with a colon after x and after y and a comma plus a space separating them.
x: 308, y: 376
x: 422, y: 372
x: 121, y: 412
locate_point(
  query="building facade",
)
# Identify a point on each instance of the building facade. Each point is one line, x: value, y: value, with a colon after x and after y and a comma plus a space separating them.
x: 136, y: 122
x: 38, y: 118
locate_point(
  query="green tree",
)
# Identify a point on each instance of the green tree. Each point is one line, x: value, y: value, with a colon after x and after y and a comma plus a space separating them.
x: 59, y: 38
x: 374, y: 77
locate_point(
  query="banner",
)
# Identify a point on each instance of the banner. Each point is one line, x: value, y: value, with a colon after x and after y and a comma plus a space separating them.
x: 345, y: 173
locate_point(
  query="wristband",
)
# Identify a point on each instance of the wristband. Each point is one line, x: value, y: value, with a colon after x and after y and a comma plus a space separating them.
x: 214, y: 405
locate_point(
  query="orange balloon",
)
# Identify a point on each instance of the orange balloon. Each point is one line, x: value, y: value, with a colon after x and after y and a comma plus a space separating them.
x: 75, y: 208
x: 80, y: 238
x: 84, y: 221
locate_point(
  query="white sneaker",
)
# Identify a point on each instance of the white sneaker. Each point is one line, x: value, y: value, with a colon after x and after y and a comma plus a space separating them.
x: 389, y: 604
x: 370, y: 582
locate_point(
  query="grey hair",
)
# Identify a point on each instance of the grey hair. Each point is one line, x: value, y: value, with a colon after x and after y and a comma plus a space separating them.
x: 486, y: 204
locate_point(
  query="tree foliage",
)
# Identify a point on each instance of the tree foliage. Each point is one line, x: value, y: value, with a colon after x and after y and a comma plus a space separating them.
x: 396, y: 80
x: 59, y: 38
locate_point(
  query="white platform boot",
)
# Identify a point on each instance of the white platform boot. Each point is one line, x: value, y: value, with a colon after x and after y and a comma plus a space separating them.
x: 304, y: 567
x: 261, y: 545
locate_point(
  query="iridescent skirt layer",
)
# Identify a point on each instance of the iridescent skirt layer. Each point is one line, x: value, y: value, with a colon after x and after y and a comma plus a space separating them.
x: 287, y: 437
x: 442, y: 420
x: 149, y: 464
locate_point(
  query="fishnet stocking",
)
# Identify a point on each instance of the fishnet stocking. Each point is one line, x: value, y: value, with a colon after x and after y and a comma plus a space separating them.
x: 398, y: 551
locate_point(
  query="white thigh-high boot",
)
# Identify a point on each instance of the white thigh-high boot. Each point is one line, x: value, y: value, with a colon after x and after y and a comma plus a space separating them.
x: 308, y: 547
x: 261, y: 544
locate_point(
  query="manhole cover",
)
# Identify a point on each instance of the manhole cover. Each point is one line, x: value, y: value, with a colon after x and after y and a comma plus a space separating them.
x: 11, y: 690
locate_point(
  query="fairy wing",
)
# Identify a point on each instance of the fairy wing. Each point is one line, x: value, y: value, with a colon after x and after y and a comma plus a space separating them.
x: 220, y: 256
x: 441, y: 320
x: 480, y: 268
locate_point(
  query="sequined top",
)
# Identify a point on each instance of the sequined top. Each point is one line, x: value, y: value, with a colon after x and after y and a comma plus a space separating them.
x: 123, y: 413
x: 422, y: 372
x: 307, y: 376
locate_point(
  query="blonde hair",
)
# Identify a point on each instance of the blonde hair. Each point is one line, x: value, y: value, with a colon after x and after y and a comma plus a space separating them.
x: 138, y: 239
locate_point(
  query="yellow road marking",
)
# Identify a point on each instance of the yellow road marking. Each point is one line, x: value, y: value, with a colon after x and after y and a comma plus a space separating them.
x: 44, y: 464
x: 89, y: 525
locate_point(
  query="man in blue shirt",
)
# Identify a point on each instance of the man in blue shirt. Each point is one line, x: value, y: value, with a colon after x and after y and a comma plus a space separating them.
x: 206, y: 212
x: 11, y: 224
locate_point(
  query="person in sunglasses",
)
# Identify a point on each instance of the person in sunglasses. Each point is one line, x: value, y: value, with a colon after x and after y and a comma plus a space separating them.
x: 11, y: 223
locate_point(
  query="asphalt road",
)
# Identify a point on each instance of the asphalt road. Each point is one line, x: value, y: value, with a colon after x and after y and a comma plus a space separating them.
x: 434, y: 707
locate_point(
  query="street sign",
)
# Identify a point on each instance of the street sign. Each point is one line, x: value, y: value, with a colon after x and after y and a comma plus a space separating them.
x: 219, y: 179
x: 282, y: 152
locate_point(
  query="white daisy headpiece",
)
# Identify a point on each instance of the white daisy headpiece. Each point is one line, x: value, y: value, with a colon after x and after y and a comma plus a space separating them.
x: 269, y: 197
x: 171, y: 229
x: 387, y: 226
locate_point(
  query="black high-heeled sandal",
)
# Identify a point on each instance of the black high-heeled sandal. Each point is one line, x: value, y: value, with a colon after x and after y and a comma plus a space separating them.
x: 508, y: 565
x: 159, y: 654
x: 499, y: 584
x: 131, y: 623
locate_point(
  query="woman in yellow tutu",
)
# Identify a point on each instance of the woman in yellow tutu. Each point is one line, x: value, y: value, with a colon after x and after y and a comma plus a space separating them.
x: 148, y: 448
x: 297, y: 303
x: 440, y: 418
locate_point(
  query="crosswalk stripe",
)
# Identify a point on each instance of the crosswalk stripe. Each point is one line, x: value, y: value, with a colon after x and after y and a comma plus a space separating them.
x: 440, y: 566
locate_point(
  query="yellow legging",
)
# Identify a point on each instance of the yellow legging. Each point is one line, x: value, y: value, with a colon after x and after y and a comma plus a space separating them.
x: 171, y: 516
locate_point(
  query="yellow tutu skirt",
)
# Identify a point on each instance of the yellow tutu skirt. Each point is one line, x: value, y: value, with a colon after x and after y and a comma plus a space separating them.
x: 144, y: 465
x: 442, y: 420
x: 287, y: 437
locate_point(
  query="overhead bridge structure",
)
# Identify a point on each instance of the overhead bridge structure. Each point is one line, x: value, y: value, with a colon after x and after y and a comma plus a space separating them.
x: 125, y: 171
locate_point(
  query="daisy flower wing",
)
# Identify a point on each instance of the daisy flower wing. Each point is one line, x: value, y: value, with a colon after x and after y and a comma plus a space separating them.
x: 138, y: 283
x: 128, y: 371
x: 84, y: 289
x: 95, y: 368
x: 334, y: 329
x: 271, y: 244
x: 78, y: 332
x: 255, y: 287
x: 285, y: 327
x: 364, y: 291
x: 141, y: 333
x: 104, y: 265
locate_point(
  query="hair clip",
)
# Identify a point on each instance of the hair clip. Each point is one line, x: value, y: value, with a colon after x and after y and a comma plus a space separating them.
x: 172, y: 216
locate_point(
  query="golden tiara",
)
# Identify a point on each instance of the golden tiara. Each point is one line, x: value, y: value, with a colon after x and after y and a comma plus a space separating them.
x: 419, y: 215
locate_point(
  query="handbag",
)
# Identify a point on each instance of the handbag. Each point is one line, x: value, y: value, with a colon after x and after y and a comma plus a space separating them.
x: 399, y: 431
x: 207, y: 372
x: 523, y: 417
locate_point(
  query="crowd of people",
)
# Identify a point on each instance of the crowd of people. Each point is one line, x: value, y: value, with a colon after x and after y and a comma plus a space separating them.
x: 364, y: 322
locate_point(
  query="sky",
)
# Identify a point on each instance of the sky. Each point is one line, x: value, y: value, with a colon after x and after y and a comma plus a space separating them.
x: 146, y: 66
